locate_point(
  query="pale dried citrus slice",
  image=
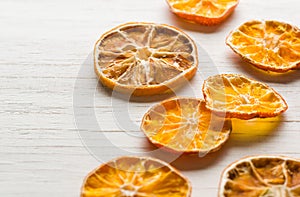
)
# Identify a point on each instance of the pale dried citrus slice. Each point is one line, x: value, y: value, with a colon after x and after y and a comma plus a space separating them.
x: 135, y: 177
x: 240, y: 97
x: 207, y: 12
x: 185, y: 125
x: 145, y: 58
x: 261, y: 176
x: 268, y: 45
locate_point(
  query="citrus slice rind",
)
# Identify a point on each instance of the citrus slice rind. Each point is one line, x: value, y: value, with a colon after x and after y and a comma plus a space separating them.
x: 135, y: 177
x: 268, y: 45
x: 206, y: 12
x: 145, y: 58
x: 237, y: 96
x: 261, y: 176
x: 185, y: 125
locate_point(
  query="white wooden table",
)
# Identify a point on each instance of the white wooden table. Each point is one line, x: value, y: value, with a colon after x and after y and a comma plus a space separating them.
x: 48, y: 140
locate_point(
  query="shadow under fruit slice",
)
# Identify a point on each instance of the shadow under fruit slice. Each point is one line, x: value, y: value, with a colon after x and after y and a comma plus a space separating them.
x: 206, y: 12
x: 135, y: 177
x: 145, y: 58
x: 240, y: 97
x: 268, y: 45
x: 185, y: 125
x: 261, y: 176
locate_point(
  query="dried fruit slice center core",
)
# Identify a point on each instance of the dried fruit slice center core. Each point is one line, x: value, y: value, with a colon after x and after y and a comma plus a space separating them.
x: 271, y: 42
x: 143, y: 54
x: 129, y: 190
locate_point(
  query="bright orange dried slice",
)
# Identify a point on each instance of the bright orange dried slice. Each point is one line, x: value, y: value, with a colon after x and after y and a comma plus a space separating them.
x: 206, y: 12
x: 268, y: 45
x: 261, y: 176
x: 145, y: 58
x: 240, y: 97
x: 135, y: 177
x: 185, y: 125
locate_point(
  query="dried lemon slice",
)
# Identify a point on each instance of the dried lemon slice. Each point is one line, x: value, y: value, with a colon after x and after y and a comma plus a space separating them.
x: 207, y: 12
x: 135, y: 177
x: 268, y: 45
x: 145, y: 58
x: 240, y: 97
x: 262, y: 176
x: 185, y: 125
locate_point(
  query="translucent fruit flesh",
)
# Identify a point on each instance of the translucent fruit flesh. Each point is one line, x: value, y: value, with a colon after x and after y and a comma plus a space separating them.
x: 185, y: 125
x: 262, y: 176
x: 145, y: 58
x: 135, y: 177
x: 207, y: 12
x: 240, y: 97
x: 268, y: 45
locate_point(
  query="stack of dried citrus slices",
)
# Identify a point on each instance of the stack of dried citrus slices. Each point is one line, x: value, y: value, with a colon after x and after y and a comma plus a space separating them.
x: 190, y: 125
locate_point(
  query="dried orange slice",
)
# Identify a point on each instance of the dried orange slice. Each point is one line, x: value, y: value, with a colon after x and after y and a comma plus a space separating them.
x: 206, y: 12
x: 135, y: 177
x: 145, y: 58
x: 240, y: 97
x: 262, y: 176
x: 185, y: 125
x: 268, y: 45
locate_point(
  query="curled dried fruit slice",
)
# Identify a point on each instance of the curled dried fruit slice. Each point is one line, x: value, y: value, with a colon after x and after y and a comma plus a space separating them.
x: 207, y: 12
x: 240, y: 97
x: 261, y: 176
x: 268, y: 45
x: 145, y: 58
x: 135, y: 177
x: 185, y: 125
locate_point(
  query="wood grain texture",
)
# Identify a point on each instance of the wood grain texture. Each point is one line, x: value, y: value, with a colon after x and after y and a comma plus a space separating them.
x: 44, y: 45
